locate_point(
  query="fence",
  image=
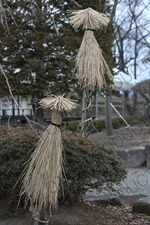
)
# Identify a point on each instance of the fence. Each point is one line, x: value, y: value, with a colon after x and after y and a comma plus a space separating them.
x: 14, y: 117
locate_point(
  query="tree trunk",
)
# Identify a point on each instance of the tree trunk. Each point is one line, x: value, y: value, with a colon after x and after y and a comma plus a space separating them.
x: 37, y: 114
x: 134, y: 103
x: 39, y: 119
x: 108, y: 119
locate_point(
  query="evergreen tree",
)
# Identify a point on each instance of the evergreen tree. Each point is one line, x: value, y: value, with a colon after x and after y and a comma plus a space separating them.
x: 38, y: 60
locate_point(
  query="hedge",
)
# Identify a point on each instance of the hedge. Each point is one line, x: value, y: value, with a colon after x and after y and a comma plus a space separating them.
x: 99, y: 125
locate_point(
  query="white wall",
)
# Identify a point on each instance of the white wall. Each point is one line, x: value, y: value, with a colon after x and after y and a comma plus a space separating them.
x: 6, y: 106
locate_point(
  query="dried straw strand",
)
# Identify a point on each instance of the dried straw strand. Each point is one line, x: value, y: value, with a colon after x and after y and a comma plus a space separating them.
x: 43, y: 172
x: 58, y: 103
x: 90, y: 63
x: 89, y: 18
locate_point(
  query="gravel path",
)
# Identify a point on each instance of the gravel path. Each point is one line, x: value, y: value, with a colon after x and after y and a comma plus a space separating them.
x: 124, y: 138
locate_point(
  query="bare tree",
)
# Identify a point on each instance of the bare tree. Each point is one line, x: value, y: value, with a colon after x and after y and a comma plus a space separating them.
x: 143, y: 88
x: 132, y: 32
x: 131, y: 22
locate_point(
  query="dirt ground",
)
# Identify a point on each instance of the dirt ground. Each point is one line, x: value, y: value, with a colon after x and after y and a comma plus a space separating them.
x: 90, y: 214
x: 85, y: 213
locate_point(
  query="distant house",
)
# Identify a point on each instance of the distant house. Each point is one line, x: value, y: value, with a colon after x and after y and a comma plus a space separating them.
x: 10, y: 113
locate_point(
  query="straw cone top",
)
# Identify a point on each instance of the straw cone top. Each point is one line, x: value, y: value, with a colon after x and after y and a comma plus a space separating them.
x: 58, y: 103
x: 89, y: 18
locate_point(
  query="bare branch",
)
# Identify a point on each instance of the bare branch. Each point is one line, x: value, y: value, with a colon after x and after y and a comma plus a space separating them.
x: 11, y: 15
x: 54, y: 22
x: 1, y: 12
x: 3, y: 19
x: 77, y: 4
x: 10, y: 91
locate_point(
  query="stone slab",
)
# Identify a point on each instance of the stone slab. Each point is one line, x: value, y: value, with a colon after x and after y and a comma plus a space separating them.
x: 147, y: 155
x: 116, y: 200
x: 132, y: 158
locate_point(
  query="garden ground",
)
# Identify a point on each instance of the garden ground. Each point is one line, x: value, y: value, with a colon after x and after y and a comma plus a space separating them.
x: 87, y: 213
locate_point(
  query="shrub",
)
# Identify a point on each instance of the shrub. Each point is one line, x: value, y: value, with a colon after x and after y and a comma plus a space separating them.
x: 117, y: 123
x: 16, y: 146
x: 72, y: 125
x: 89, y: 166
x: 86, y: 165
x: 99, y: 125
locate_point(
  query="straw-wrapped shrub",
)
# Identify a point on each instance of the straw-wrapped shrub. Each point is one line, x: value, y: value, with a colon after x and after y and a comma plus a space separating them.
x: 86, y: 165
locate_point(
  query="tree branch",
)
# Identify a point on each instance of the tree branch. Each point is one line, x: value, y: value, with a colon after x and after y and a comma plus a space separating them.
x: 77, y: 4
x: 10, y: 91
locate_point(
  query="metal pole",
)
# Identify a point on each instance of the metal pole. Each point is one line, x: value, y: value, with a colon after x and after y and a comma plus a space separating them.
x: 117, y: 111
x: 119, y: 114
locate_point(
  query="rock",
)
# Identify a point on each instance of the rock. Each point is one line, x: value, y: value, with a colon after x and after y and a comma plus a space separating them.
x: 115, y: 200
x: 142, y: 205
x: 132, y: 158
x: 147, y: 155
x: 130, y: 199
x: 104, y: 200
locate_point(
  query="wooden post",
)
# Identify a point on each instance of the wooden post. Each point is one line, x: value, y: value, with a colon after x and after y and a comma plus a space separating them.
x: 39, y: 220
x: 42, y: 217
x: 86, y: 113
x: 83, y: 113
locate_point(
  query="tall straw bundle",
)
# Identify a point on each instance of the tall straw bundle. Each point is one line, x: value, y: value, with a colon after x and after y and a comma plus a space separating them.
x: 43, y: 172
x: 90, y: 63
